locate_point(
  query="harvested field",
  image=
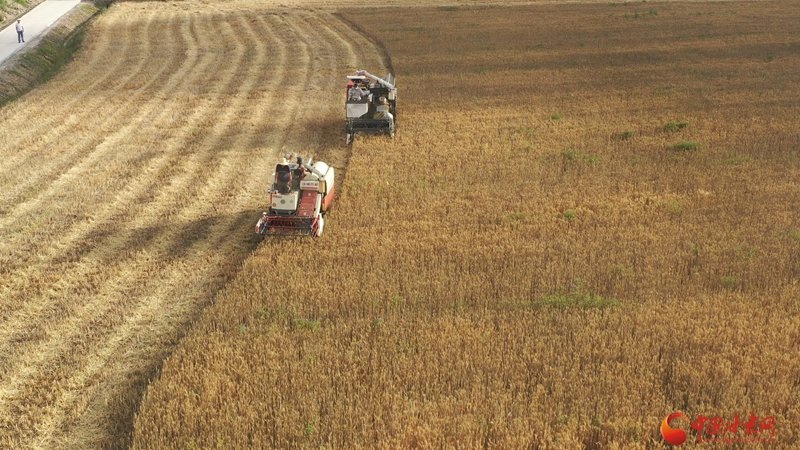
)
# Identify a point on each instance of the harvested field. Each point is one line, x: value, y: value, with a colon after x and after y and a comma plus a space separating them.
x: 129, y: 186
x: 587, y: 221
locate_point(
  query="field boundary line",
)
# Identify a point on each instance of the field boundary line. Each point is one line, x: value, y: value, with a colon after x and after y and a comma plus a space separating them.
x: 386, y: 55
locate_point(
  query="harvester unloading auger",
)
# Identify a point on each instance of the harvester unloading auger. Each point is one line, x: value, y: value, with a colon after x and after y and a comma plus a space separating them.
x: 301, y: 194
x: 370, y: 105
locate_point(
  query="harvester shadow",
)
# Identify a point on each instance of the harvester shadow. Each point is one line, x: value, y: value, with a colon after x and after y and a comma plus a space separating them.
x: 188, y: 240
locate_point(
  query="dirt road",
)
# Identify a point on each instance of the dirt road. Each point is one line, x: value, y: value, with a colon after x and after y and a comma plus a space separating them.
x: 129, y: 186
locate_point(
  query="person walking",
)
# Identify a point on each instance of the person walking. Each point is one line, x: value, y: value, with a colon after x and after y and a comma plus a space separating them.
x: 20, y: 32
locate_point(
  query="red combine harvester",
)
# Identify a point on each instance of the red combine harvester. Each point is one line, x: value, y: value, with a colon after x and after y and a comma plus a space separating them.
x: 301, y: 194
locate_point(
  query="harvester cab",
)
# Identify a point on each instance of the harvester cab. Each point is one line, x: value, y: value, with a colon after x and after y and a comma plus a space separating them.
x: 300, y: 195
x: 370, y: 105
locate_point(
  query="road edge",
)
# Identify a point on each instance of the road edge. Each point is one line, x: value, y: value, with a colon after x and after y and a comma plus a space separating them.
x: 14, y: 9
x: 44, y: 58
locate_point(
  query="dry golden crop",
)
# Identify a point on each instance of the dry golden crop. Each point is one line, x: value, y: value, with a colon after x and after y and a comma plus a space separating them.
x: 588, y: 220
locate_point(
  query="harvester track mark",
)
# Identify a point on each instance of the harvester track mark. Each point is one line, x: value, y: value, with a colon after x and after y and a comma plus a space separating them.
x: 67, y: 142
x: 77, y: 87
x: 79, y: 156
x: 127, y: 265
x: 73, y: 240
x: 139, y: 318
x: 43, y: 314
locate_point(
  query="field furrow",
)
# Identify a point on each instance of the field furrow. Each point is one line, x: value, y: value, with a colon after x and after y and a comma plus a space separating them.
x: 57, y: 146
x: 81, y: 161
x: 143, y: 320
x: 77, y: 239
x: 110, y: 251
x: 117, y: 275
x: 115, y: 46
x: 581, y: 226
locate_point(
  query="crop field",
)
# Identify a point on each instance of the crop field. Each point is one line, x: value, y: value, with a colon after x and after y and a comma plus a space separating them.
x: 129, y: 187
x: 588, y: 219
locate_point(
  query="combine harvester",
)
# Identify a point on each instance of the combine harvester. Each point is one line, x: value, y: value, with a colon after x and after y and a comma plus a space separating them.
x: 370, y: 105
x: 301, y: 194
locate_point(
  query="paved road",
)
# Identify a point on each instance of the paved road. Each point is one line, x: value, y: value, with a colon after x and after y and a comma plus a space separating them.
x: 36, y: 21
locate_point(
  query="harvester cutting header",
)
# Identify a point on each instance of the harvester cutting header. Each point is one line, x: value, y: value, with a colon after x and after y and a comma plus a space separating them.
x: 371, y: 104
x: 301, y: 193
